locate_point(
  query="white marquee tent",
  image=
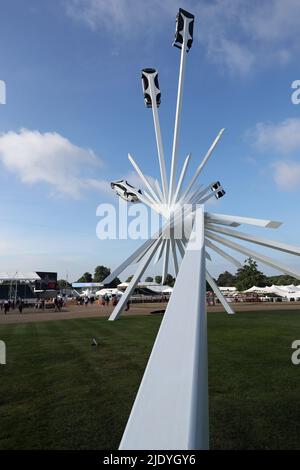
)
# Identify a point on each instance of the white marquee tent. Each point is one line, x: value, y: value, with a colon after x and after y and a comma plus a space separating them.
x: 19, y: 276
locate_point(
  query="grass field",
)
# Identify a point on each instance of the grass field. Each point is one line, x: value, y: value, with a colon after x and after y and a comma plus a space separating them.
x: 59, y: 392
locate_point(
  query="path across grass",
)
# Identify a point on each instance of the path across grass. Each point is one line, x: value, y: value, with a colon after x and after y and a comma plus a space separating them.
x: 59, y: 392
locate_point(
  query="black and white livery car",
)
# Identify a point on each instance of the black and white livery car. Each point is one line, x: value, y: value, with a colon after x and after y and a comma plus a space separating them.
x: 147, y: 75
x: 218, y: 190
x: 124, y: 190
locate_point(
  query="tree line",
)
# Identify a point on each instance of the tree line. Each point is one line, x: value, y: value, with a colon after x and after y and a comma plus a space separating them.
x: 244, y: 278
x: 249, y: 275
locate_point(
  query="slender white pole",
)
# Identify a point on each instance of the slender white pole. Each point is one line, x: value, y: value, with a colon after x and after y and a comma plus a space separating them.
x: 178, y: 112
x: 160, y: 252
x: 160, y: 149
x: 171, y: 407
x: 143, y: 178
x: 222, y: 253
x: 166, y: 261
x: 219, y: 294
x: 205, y: 159
x: 130, y: 260
x: 193, y: 195
x: 144, y: 263
x: 181, y: 178
x: 175, y: 259
x: 159, y: 191
x: 181, y: 247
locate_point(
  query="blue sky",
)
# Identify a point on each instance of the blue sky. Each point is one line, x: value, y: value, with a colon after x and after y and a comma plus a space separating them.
x: 75, y: 109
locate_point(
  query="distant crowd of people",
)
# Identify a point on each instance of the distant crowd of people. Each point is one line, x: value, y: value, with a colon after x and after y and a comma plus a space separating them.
x: 40, y: 304
x: 59, y: 302
x: 9, y: 304
x: 104, y: 300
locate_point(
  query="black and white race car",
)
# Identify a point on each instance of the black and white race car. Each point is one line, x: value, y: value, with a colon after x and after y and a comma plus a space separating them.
x: 124, y: 190
x: 218, y: 190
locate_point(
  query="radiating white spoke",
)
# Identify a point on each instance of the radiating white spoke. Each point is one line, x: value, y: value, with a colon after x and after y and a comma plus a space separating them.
x: 211, y: 217
x: 181, y: 178
x: 140, y: 257
x: 253, y: 254
x: 294, y: 250
x: 166, y: 261
x: 219, y: 294
x: 144, y: 263
x: 160, y: 251
x: 178, y: 114
x: 175, y: 259
x: 181, y: 247
x: 160, y: 149
x: 159, y: 191
x: 222, y: 253
x: 204, y: 161
x: 143, y: 178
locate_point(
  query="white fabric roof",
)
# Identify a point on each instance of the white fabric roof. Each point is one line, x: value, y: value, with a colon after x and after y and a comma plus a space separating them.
x: 19, y: 276
x: 290, y: 291
x: 168, y: 290
x: 229, y: 289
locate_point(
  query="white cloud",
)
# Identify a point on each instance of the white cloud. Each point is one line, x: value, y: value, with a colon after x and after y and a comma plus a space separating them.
x: 52, y: 159
x: 287, y: 175
x: 283, y: 137
x: 236, y: 34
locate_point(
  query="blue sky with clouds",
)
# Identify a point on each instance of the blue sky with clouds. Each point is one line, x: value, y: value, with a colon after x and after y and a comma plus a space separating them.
x: 75, y: 109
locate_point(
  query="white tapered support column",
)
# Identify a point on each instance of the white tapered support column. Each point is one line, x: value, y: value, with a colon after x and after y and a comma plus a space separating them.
x: 219, y: 294
x: 144, y: 263
x: 171, y: 407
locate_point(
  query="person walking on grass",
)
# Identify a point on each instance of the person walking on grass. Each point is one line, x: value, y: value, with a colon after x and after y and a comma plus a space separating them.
x: 6, y: 307
x: 20, y: 306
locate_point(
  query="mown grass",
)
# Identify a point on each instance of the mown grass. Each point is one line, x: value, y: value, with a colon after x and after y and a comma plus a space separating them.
x: 59, y: 392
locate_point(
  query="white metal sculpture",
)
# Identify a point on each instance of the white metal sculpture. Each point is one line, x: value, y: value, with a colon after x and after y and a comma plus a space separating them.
x: 171, y: 407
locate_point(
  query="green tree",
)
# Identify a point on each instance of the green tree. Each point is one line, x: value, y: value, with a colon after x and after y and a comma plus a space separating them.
x: 158, y: 279
x: 170, y: 280
x: 249, y: 276
x: 86, y: 277
x: 101, y: 272
x: 149, y: 279
x: 226, y: 279
x: 114, y: 283
x: 62, y: 284
x: 282, y: 280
